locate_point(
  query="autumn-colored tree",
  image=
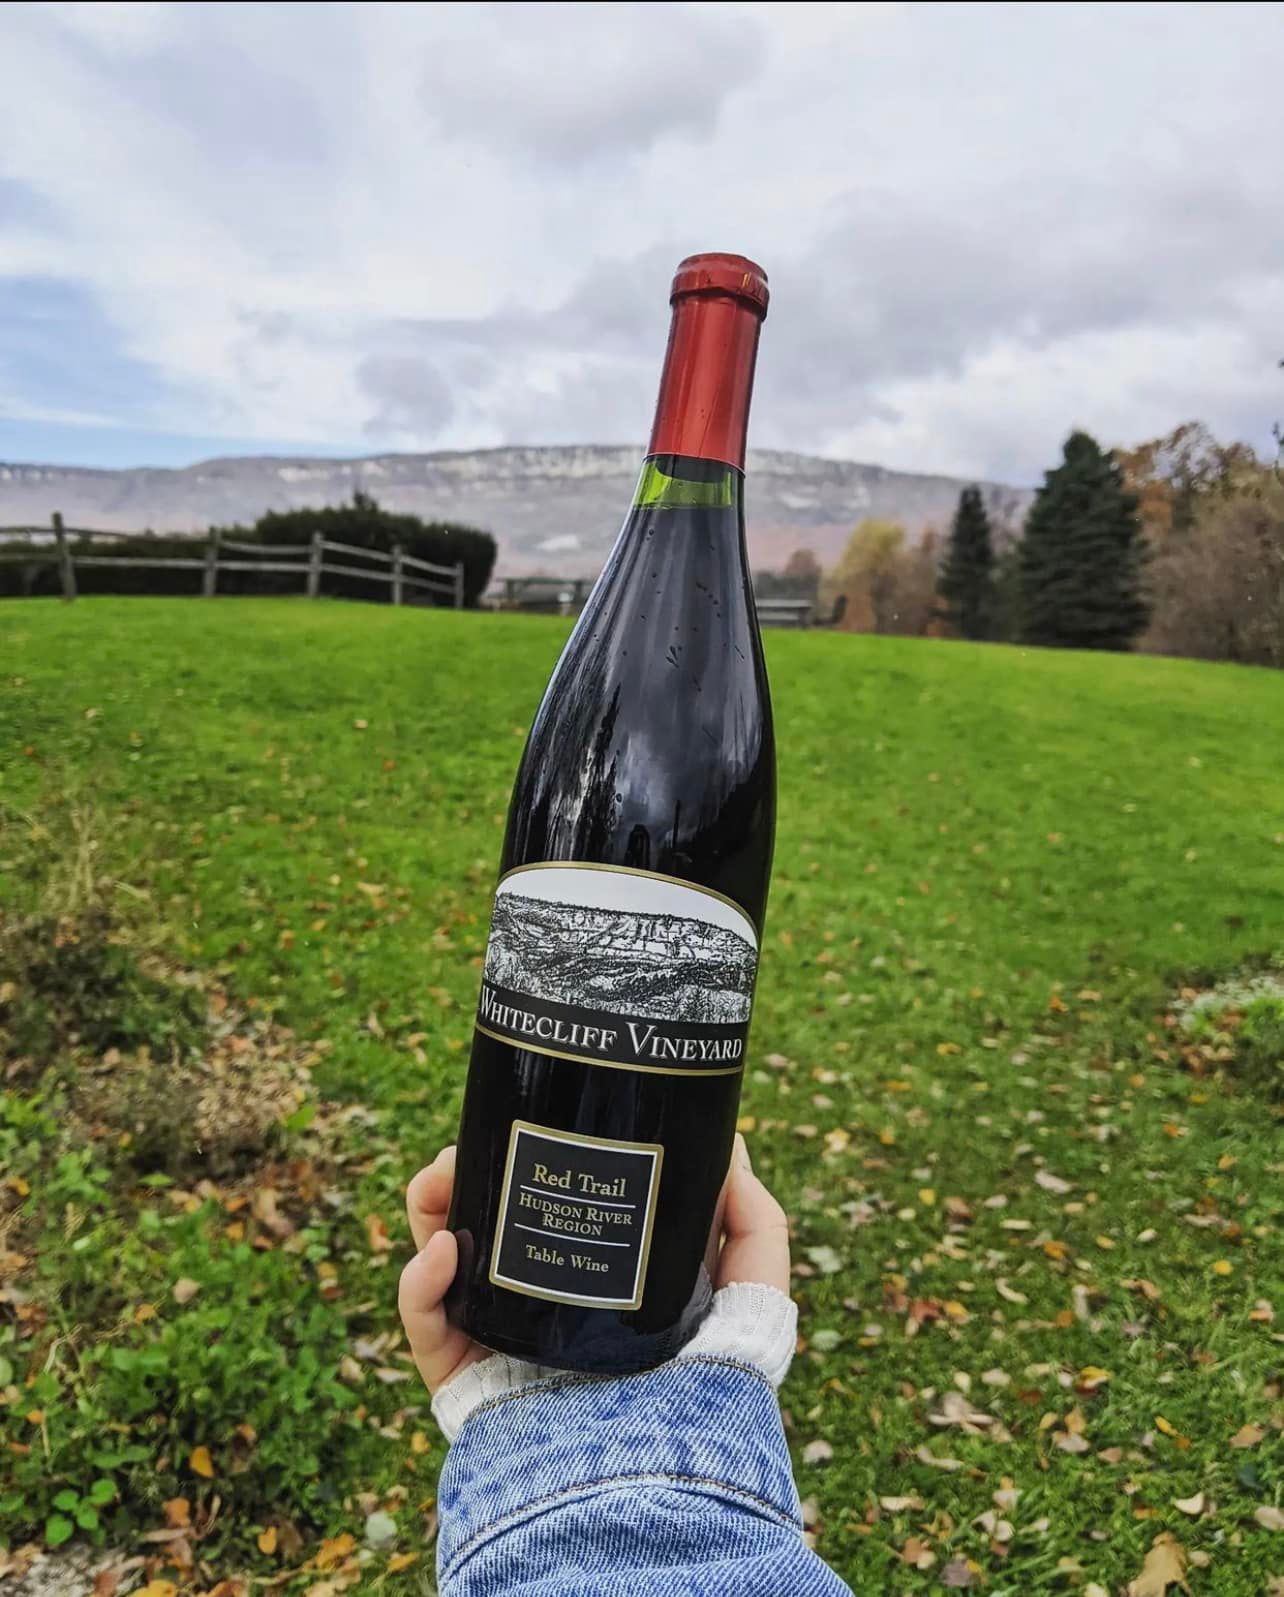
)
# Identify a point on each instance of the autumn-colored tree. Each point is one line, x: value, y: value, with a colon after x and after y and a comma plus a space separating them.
x: 1174, y: 475
x: 889, y: 585
x: 1219, y: 584
x: 966, y: 582
x: 803, y: 570
x: 1083, y: 555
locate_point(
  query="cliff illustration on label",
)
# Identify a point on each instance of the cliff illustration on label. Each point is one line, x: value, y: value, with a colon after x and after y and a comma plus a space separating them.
x: 619, y: 967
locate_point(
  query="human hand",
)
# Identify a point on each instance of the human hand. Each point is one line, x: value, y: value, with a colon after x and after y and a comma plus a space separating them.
x: 755, y: 1247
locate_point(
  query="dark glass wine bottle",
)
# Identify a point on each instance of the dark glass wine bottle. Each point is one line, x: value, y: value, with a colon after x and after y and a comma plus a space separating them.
x: 611, y: 1029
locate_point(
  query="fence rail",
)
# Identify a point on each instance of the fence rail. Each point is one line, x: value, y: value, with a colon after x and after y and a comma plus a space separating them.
x: 308, y: 562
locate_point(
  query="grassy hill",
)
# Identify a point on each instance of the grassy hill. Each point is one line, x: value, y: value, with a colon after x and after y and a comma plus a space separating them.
x: 1019, y: 1183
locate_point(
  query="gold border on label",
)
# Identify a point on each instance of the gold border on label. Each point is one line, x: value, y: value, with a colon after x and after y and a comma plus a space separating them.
x: 607, y: 1064
x: 632, y: 870
x: 639, y: 1283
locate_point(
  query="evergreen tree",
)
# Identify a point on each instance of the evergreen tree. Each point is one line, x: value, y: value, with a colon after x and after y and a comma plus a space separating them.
x: 967, y: 573
x: 1083, y: 555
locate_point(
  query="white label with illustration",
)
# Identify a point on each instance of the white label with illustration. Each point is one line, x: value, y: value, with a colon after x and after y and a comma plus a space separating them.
x: 619, y: 967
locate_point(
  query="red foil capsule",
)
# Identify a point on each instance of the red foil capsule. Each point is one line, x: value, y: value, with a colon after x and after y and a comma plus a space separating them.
x: 719, y: 303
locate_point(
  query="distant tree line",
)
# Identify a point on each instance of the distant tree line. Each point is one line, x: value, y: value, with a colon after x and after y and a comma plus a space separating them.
x: 364, y: 524
x: 1175, y: 546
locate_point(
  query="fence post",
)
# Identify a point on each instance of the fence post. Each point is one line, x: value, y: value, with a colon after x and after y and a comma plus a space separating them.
x: 459, y: 585
x: 396, y: 573
x: 314, y: 567
x: 65, y: 567
x: 209, y: 578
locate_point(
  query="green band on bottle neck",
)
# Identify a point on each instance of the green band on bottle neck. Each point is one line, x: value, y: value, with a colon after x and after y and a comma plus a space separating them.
x: 656, y: 488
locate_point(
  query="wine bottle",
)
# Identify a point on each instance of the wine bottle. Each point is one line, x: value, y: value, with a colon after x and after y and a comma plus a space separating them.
x: 610, y: 1037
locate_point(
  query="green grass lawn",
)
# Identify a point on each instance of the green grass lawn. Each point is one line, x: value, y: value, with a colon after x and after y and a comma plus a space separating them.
x: 1016, y: 1186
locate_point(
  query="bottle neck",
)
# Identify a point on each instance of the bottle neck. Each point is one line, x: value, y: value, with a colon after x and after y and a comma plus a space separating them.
x: 703, y: 407
x: 682, y: 482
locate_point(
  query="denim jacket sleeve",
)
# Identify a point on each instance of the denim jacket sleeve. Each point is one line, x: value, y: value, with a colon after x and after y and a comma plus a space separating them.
x: 675, y: 1482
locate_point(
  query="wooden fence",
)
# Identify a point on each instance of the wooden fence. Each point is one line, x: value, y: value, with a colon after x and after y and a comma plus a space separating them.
x: 310, y: 562
x: 566, y: 596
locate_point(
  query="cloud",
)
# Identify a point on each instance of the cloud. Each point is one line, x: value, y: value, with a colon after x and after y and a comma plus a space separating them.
x: 424, y: 226
x: 584, y: 82
x: 409, y: 393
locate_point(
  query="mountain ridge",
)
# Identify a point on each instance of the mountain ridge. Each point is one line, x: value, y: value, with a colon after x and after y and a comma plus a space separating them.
x: 551, y: 507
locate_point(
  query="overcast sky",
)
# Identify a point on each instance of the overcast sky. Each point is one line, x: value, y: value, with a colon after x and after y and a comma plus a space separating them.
x: 337, y: 228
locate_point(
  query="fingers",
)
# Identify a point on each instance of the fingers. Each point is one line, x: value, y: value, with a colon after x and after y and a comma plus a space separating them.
x: 756, y: 1232
x: 439, y: 1349
x: 428, y: 1197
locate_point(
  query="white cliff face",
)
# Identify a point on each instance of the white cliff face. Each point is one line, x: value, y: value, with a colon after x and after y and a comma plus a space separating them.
x: 551, y: 509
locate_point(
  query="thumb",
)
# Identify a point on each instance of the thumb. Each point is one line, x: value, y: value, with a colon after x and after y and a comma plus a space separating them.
x: 439, y: 1349
x: 756, y: 1233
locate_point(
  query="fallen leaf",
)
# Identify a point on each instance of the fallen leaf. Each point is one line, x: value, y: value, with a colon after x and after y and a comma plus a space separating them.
x: 157, y: 1588
x: 200, y: 1462
x: 1051, y: 1183
x: 1069, y: 1442
x: 178, y: 1512
x: 817, y: 1452
x: 377, y: 1235
x: 334, y: 1550
x: 898, y: 1505
x: 267, y: 1540
x: 185, y: 1290
x: 381, y: 1529
x: 825, y: 1259
x: 418, y: 1442
x: 958, y: 1410
x: 1007, y: 1293
x: 400, y: 1561
x: 1095, y: 1589
x: 1222, y: 1267
x: 1163, y: 1566
x: 958, y: 1572
x: 1248, y: 1436
x: 925, y: 1455
x: 995, y: 1526
x: 1269, y: 1517
x: 917, y: 1554
x: 107, y: 1582
x: 1194, y: 1506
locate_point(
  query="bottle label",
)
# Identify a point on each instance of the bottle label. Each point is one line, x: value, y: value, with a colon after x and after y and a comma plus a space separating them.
x: 575, y: 1217
x: 625, y: 968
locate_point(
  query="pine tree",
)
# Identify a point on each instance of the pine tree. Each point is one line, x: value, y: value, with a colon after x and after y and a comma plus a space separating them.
x: 967, y: 574
x: 1083, y: 555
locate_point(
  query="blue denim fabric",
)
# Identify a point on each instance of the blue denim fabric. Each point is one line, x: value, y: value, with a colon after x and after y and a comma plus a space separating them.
x: 675, y: 1481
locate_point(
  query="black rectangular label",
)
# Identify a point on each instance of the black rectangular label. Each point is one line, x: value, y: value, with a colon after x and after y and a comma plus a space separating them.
x: 575, y: 1217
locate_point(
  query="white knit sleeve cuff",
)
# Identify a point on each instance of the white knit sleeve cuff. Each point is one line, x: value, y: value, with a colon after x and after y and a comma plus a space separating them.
x: 752, y: 1324
x: 494, y: 1376
x: 749, y: 1323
